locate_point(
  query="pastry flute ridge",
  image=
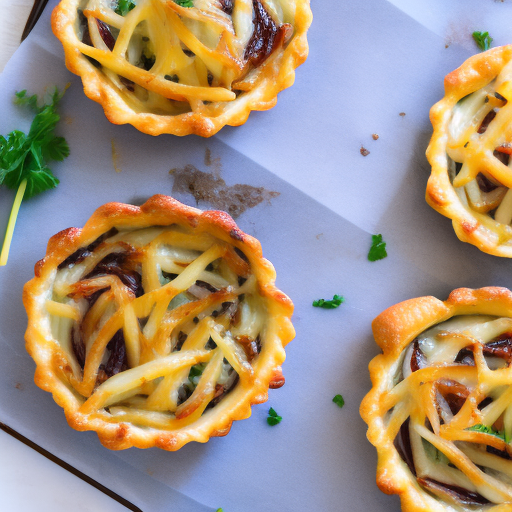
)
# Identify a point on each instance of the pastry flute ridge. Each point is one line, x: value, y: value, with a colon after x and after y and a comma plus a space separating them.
x: 156, y: 325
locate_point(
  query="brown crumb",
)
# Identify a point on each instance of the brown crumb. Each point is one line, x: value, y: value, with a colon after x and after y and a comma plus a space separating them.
x: 375, y: 136
x: 320, y: 235
x: 447, y: 46
x: 364, y: 151
x: 19, y: 386
x: 402, y: 114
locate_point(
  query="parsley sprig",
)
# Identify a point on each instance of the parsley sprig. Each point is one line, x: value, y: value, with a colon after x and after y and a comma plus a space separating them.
x: 329, y: 304
x: 124, y: 7
x: 378, y: 248
x: 273, y: 417
x: 483, y: 40
x: 24, y: 157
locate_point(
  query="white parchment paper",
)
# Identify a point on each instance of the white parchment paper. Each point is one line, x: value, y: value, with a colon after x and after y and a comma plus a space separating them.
x: 369, y: 62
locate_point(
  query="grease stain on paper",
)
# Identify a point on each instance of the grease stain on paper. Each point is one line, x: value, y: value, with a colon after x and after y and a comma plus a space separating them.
x: 211, y: 188
x: 461, y: 33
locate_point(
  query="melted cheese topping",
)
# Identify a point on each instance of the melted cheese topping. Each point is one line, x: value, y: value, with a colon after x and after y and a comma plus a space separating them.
x: 175, y: 59
x: 453, y: 382
x: 198, y: 326
x: 479, y: 147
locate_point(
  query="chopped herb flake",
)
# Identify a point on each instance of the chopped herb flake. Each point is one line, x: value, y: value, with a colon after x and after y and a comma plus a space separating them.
x: 124, y: 7
x: 23, y: 158
x: 338, y: 400
x: 195, y: 371
x: 219, y: 510
x: 329, y: 304
x: 378, y: 248
x: 489, y: 430
x: 185, y: 3
x: 273, y: 417
x: 483, y: 40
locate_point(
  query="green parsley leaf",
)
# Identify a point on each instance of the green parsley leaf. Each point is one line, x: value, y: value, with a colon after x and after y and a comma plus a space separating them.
x: 489, y: 430
x: 23, y: 157
x: 124, y: 7
x: 378, y: 248
x: 219, y: 510
x: 329, y: 304
x: 185, y: 3
x: 339, y: 401
x: 273, y: 417
x: 196, y: 370
x: 483, y: 40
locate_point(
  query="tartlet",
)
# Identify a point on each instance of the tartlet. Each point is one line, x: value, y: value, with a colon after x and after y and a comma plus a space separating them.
x: 156, y: 325
x: 470, y: 151
x: 187, y: 66
x: 440, y: 409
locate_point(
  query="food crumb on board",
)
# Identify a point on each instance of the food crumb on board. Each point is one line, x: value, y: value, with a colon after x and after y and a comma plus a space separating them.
x: 115, y: 156
x: 375, y: 136
x: 364, y: 151
x: 402, y: 114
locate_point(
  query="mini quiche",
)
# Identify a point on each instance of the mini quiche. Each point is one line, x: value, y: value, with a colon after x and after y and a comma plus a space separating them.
x: 440, y: 410
x: 156, y: 325
x: 470, y: 151
x: 183, y: 66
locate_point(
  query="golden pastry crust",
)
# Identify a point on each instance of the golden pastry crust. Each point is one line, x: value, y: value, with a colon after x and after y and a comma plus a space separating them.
x: 125, y: 361
x: 470, y: 152
x: 430, y: 385
x: 220, y: 84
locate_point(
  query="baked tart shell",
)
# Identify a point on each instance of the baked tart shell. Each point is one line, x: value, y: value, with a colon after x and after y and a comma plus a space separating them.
x: 54, y: 366
x: 394, y: 330
x: 470, y: 226
x: 277, y: 73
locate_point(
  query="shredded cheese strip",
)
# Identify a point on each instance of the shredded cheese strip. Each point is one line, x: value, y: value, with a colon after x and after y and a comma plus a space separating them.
x: 455, y: 392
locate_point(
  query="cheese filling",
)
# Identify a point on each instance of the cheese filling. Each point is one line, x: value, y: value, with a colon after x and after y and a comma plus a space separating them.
x: 451, y: 409
x: 478, y: 150
x: 158, y: 324
x: 167, y: 59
